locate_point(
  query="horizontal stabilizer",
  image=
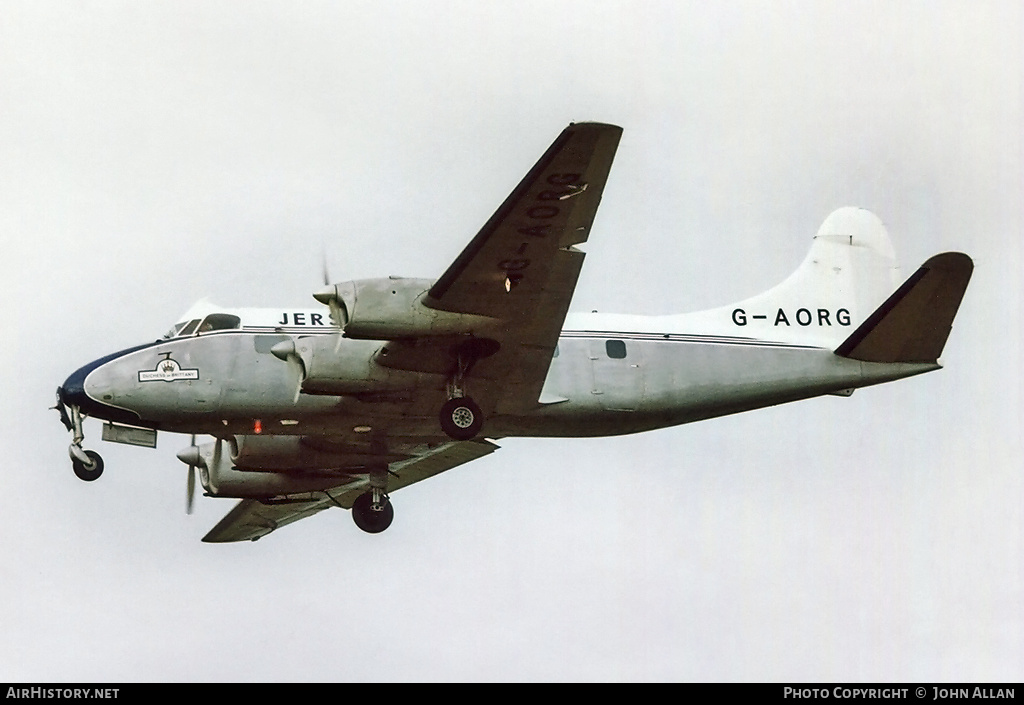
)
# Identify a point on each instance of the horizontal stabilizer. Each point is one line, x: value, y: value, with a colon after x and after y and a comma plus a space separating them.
x: 913, y: 324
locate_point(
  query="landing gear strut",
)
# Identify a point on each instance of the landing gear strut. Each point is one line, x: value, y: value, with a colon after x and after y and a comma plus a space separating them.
x: 461, y: 418
x: 87, y: 464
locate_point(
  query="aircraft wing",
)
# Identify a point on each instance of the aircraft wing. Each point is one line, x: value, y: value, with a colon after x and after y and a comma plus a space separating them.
x: 252, y: 519
x: 522, y: 267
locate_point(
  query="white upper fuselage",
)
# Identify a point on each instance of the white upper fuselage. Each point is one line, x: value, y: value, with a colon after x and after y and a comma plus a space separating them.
x: 217, y: 370
x: 610, y: 374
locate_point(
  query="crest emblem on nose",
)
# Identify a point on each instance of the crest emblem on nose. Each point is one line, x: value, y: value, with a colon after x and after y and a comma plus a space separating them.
x: 167, y: 370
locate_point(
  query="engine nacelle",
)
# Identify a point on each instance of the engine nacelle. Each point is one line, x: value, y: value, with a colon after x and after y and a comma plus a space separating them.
x: 270, y: 453
x: 220, y: 478
x: 350, y: 368
x: 245, y: 484
x: 392, y: 308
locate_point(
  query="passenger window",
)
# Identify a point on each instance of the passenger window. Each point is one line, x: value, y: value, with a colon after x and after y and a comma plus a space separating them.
x: 220, y: 321
x: 616, y: 349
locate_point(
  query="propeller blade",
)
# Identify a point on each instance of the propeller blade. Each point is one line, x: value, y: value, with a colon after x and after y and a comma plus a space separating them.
x: 340, y: 319
x: 323, y: 262
x: 190, y: 485
x: 190, y: 497
x: 299, y: 370
x: 338, y: 314
x: 329, y: 297
x: 216, y: 454
x: 285, y: 350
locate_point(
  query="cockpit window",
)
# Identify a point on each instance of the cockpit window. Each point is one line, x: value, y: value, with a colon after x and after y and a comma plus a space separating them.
x: 215, y: 321
x: 220, y: 321
x: 174, y: 330
x: 187, y: 328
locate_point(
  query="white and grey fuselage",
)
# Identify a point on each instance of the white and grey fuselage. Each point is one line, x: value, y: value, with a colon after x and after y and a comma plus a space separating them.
x: 605, y: 377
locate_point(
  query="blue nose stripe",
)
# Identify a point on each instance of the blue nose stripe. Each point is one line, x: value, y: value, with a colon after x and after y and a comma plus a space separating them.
x: 72, y: 392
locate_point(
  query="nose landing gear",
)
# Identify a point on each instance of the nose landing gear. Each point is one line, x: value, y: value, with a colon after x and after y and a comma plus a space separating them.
x: 90, y: 468
x: 87, y: 464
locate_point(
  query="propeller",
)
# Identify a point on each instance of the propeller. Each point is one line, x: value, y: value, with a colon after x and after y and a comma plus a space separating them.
x: 216, y: 452
x: 190, y: 485
x: 329, y: 296
x: 191, y: 457
x: 323, y: 266
x: 285, y: 350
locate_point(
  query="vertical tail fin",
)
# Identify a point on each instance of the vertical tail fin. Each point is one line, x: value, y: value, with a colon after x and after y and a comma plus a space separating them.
x: 848, y: 272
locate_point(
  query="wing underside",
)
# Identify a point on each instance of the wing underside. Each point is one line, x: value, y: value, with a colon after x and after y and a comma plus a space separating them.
x: 252, y: 519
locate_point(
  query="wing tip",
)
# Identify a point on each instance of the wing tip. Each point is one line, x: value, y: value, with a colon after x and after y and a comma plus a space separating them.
x: 216, y: 536
x: 593, y: 125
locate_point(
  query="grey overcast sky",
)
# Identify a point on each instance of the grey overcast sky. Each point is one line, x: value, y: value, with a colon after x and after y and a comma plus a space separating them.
x: 155, y: 153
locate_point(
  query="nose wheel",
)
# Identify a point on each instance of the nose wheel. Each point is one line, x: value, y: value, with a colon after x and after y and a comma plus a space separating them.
x: 90, y: 469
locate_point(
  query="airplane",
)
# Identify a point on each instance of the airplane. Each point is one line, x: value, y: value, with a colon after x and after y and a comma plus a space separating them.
x: 390, y: 381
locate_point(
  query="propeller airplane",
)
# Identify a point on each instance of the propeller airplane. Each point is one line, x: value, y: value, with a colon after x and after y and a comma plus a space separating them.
x: 391, y: 381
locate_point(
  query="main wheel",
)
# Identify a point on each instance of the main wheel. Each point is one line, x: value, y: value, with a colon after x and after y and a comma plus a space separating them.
x: 88, y: 472
x: 370, y: 520
x: 461, y: 418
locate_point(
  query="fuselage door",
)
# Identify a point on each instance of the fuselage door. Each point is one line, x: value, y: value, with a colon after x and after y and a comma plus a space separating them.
x: 617, y: 373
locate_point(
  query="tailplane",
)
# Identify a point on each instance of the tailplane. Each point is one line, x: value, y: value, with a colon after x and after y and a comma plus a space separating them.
x: 913, y: 324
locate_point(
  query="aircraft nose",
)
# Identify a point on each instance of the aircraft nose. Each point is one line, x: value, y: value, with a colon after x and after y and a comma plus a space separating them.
x: 73, y: 391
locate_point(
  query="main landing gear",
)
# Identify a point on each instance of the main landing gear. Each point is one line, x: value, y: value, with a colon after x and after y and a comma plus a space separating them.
x: 87, y: 464
x: 372, y: 511
x: 461, y: 418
